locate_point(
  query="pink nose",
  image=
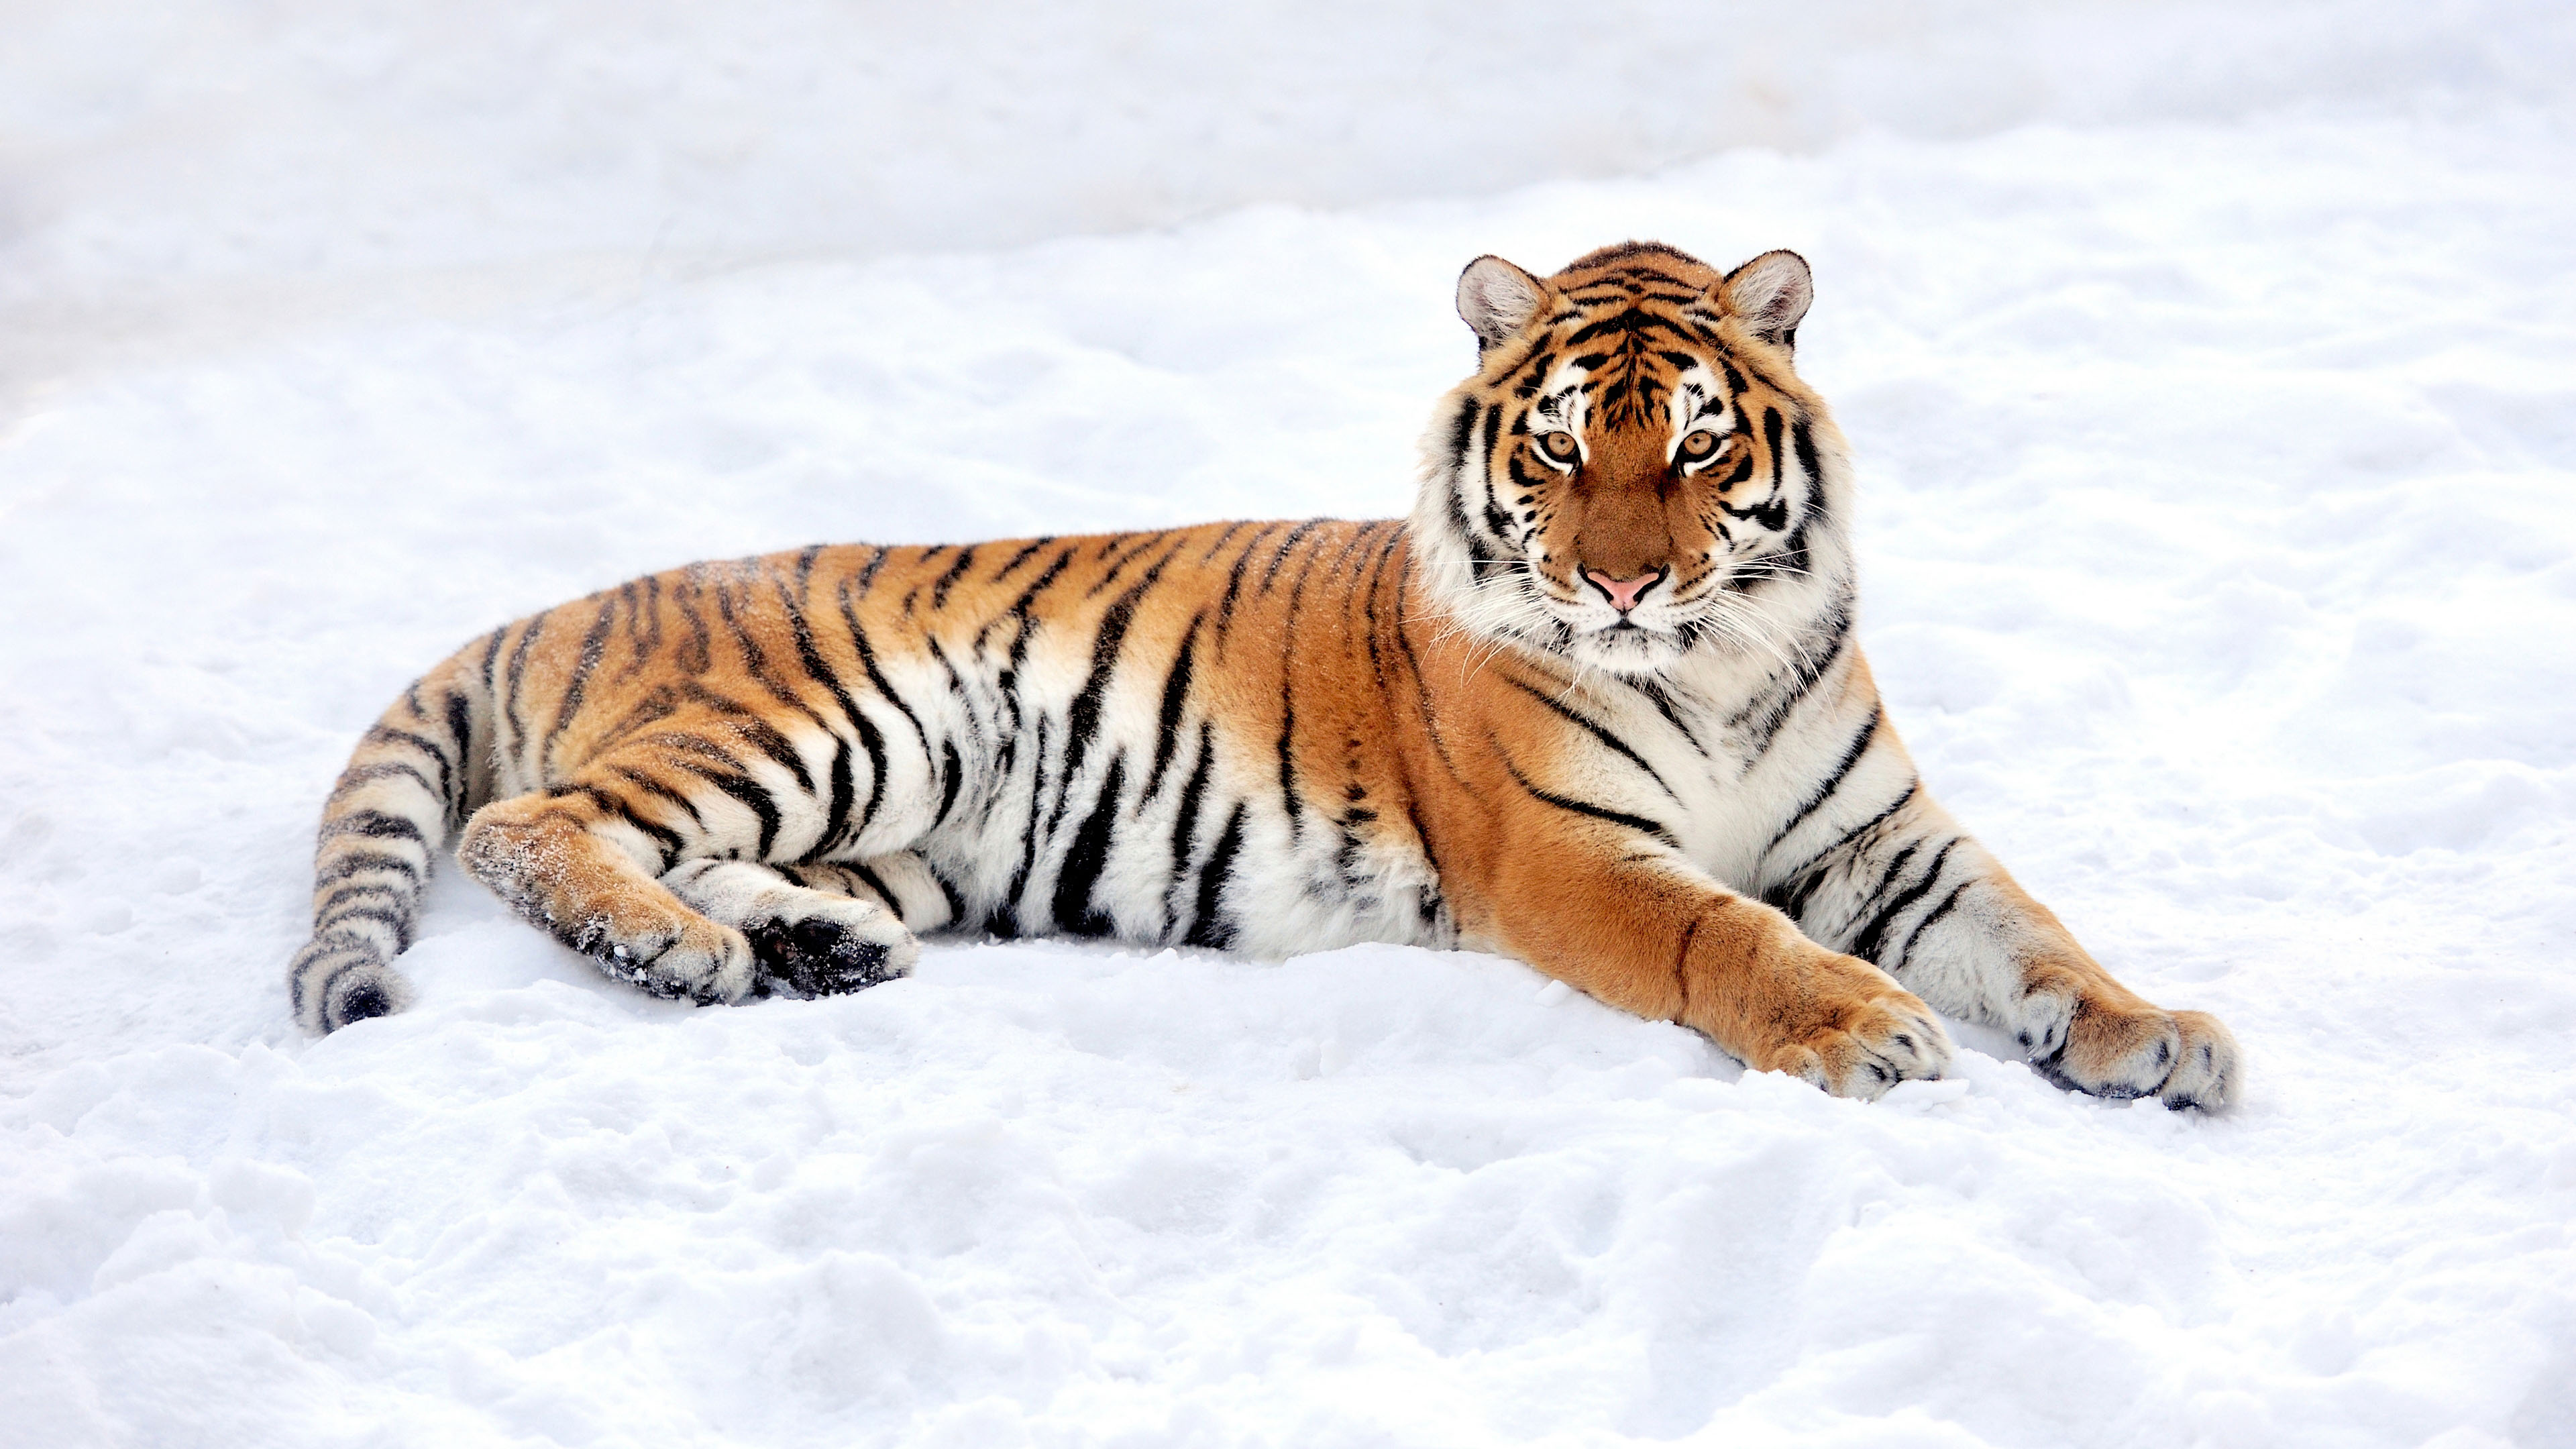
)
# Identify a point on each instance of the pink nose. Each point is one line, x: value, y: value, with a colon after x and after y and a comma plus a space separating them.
x: 1623, y: 592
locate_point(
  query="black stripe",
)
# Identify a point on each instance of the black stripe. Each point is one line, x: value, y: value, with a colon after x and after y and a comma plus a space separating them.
x: 1497, y: 522
x: 1462, y: 433
x: 658, y: 834
x: 1930, y: 916
x: 1804, y: 440
x: 1794, y: 889
x: 1478, y: 552
x: 952, y: 774
x: 350, y: 863
x: 1087, y: 858
x: 643, y: 622
x: 1027, y: 551
x: 513, y: 737
x: 751, y: 793
x: 1028, y: 832
x: 697, y: 652
x: 1288, y: 793
x: 1234, y: 583
x: 868, y: 571
x: 873, y: 882
x: 1583, y: 807
x: 1810, y: 669
x: 1413, y: 664
x: 357, y: 775
x: 1598, y: 732
x: 1887, y: 875
x: 956, y: 899
x: 1044, y: 581
x: 491, y: 653
x: 1185, y: 822
x: 593, y: 645
x: 1663, y: 704
x: 400, y: 921
x: 358, y: 889
x: 617, y: 807
x: 1485, y: 468
x: 1368, y: 606
x: 836, y: 812
x: 912, y: 596
x: 756, y: 659
x: 385, y: 734
x: 1217, y: 545
x: 1209, y: 927
x: 1142, y: 545
x: 1873, y: 937
x: 939, y: 589
x: 1176, y: 693
x: 763, y: 736
x: 1270, y: 575
x: 375, y: 824
x: 1082, y: 719
x: 348, y: 953
x: 1018, y: 612
x: 1635, y: 321
x: 460, y: 723
x: 876, y: 677
x: 1851, y: 757
x: 656, y: 788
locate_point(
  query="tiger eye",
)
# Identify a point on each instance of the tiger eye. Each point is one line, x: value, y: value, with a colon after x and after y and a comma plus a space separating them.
x: 1699, y: 445
x: 1559, y: 446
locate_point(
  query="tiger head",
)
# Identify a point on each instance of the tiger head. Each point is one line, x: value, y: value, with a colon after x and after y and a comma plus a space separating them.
x: 1635, y: 474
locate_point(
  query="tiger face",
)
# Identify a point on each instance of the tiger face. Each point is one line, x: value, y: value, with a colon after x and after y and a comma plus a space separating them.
x: 1635, y: 464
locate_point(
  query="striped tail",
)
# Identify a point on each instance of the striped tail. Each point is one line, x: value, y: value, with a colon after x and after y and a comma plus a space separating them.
x: 415, y: 777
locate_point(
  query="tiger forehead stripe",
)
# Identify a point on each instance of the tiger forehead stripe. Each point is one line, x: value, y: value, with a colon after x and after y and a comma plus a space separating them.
x: 1628, y: 372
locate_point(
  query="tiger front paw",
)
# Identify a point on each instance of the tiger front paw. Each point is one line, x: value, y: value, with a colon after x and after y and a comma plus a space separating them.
x: 2112, y: 1044
x: 1862, y: 1035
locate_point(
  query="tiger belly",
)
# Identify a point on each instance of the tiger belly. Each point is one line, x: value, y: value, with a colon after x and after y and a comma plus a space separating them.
x: 1171, y: 738
x: 1196, y: 751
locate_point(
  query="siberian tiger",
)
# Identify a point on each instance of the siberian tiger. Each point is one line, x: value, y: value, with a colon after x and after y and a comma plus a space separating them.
x: 1595, y: 705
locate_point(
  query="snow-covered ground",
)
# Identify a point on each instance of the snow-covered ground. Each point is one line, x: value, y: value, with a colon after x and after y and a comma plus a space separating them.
x: 2212, y: 375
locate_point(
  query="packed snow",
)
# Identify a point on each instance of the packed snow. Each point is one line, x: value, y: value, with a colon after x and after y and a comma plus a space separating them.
x: 2211, y: 374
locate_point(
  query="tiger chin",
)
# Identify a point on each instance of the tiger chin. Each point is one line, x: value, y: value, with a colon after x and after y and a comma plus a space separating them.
x: 1595, y: 705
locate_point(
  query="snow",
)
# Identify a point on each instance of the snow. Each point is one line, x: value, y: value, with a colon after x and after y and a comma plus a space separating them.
x: 2210, y: 373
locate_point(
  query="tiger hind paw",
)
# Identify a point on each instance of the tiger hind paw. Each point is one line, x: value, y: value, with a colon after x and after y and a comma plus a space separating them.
x: 828, y: 947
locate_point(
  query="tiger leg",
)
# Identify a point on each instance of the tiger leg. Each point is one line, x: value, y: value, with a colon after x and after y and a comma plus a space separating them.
x: 901, y: 882
x: 575, y: 865
x: 1933, y: 908
x: 818, y: 929
x: 1642, y: 929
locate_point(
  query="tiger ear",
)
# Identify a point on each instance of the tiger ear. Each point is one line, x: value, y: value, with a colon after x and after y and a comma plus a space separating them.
x: 1771, y: 293
x: 1498, y: 299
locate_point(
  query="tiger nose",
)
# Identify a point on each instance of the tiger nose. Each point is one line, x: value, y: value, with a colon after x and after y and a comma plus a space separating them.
x: 1623, y: 592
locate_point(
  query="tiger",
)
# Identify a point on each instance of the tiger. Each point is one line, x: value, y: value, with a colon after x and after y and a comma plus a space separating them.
x: 1595, y: 704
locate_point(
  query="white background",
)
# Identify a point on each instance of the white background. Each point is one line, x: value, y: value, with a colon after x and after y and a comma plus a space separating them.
x: 2211, y: 371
